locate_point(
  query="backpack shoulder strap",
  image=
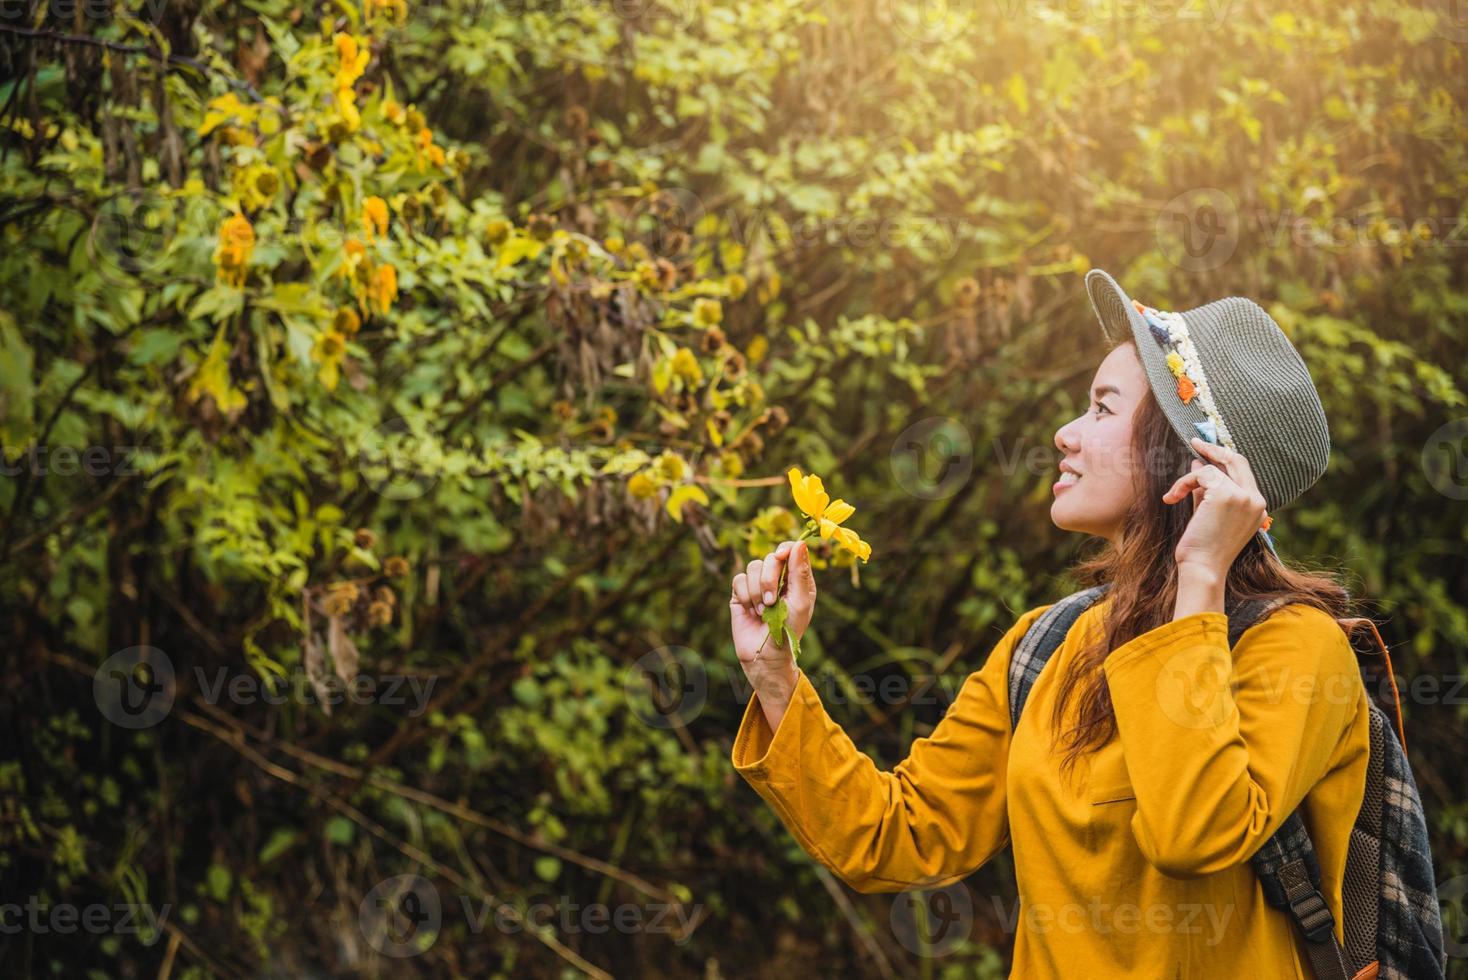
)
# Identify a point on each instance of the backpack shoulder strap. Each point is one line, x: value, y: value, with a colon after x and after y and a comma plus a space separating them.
x: 1288, y: 869
x: 1041, y: 640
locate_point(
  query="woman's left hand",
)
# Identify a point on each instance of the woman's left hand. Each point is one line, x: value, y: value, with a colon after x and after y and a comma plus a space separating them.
x: 1228, y: 508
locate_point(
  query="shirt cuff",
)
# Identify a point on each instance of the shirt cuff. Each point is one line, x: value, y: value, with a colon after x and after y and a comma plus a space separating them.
x: 1209, y: 628
x: 757, y: 750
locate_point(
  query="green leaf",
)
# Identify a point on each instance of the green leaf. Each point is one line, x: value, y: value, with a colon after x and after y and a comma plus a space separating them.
x: 340, y: 830
x: 547, y: 868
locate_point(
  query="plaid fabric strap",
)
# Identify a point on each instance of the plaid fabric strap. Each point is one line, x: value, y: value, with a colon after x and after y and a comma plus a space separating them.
x: 1040, y: 641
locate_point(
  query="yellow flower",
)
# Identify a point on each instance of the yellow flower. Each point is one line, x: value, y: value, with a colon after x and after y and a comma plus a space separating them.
x: 828, y: 515
x: 352, y: 61
x: 328, y: 351
x: 255, y: 185
x: 707, y: 312
x: 393, y: 112
x: 374, y: 216
x: 346, y: 321
x: 384, y: 288
x: 686, y: 366
x: 641, y: 486
x: 396, y: 9
x: 670, y: 467
x: 346, y: 107
x: 1175, y: 363
x: 236, y: 244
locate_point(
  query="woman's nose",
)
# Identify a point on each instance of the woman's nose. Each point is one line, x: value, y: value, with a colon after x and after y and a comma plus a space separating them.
x: 1065, y: 438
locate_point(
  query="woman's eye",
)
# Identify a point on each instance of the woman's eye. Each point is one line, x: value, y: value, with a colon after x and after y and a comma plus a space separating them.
x: 1100, y: 408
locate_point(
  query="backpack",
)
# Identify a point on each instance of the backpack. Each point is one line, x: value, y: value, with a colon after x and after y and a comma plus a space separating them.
x: 1389, y: 894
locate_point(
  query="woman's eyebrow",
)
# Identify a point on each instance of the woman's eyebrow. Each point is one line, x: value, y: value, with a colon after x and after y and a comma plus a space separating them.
x: 1100, y: 390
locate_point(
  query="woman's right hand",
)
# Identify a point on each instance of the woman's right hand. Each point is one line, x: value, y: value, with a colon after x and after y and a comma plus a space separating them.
x: 764, y: 655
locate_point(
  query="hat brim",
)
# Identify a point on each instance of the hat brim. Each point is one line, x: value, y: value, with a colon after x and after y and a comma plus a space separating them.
x: 1120, y: 321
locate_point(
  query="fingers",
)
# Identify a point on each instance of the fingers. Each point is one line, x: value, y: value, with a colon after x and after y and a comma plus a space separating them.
x: 1212, y: 482
x: 758, y: 586
x: 770, y: 570
x: 1234, y: 463
x: 752, y: 573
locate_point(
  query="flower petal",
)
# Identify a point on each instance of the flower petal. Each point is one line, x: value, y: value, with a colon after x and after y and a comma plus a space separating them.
x: 838, y: 511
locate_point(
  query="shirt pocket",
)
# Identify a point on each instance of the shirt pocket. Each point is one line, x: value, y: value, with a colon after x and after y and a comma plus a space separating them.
x: 1113, y: 790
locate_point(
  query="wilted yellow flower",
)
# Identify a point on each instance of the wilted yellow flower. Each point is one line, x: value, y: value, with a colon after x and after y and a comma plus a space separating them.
x: 642, y: 486
x: 328, y: 351
x: 346, y: 321
x: 397, y: 9
x: 395, y: 566
x: 670, y: 467
x: 686, y: 366
x: 813, y: 500
x: 255, y: 185
x: 236, y: 245
x: 707, y: 312
x: 374, y: 216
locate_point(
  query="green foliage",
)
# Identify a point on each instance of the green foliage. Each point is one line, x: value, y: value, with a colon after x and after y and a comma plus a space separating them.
x: 474, y: 350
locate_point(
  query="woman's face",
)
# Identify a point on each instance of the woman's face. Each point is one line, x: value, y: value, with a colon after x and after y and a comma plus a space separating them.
x: 1098, y: 447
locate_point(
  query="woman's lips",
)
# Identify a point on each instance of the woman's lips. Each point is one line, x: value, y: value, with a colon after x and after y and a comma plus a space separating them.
x: 1064, y: 484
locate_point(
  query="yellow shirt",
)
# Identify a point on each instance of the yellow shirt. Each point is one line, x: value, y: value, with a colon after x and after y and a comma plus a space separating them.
x: 1139, y: 865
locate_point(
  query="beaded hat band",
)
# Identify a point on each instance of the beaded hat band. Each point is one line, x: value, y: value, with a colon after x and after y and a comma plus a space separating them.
x: 1226, y: 372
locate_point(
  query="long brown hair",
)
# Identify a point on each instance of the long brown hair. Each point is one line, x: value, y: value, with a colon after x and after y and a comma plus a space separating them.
x: 1142, y: 571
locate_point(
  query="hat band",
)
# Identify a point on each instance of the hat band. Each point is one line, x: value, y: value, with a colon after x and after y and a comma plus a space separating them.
x: 1170, y: 330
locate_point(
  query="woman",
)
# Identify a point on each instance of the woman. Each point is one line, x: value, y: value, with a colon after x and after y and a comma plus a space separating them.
x: 1151, y: 761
